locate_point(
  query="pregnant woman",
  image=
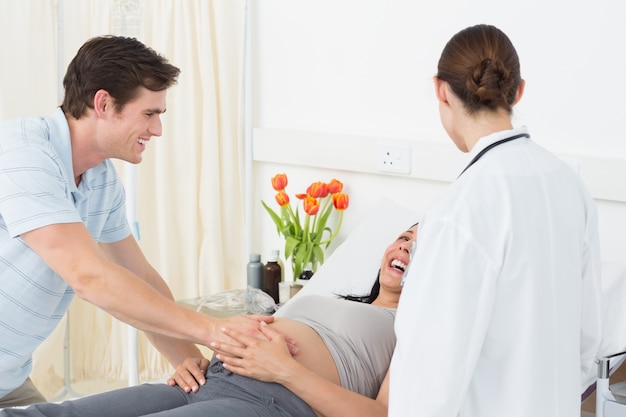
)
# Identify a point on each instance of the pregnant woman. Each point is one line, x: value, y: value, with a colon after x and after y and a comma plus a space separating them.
x: 344, y: 351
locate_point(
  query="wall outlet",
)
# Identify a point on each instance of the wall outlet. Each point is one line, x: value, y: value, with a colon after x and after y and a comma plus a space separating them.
x: 394, y: 158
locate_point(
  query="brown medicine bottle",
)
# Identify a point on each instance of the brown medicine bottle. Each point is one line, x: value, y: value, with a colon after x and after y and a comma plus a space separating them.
x: 272, y: 276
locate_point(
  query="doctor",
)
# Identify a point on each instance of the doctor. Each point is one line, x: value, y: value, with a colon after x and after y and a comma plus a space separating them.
x: 499, y: 315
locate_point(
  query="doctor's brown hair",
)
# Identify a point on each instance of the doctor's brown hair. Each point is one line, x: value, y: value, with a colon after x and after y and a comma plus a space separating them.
x: 117, y: 64
x: 482, y: 67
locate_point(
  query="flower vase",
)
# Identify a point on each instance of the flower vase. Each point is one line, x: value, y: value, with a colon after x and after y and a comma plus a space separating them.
x: 306, y: 236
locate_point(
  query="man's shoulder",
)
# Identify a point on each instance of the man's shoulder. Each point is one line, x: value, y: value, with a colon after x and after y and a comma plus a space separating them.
x: 25, y: 132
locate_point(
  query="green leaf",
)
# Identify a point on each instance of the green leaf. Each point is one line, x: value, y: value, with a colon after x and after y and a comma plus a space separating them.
x: 321, y: 222
x: 301, y: 257
x: 298, y: 222
x: 291, y: 243
x: 330, y: 232
x: 318, y: 254
x: 275, y: 217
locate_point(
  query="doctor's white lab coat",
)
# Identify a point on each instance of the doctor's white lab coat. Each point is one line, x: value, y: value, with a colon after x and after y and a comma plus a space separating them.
x: 500, y: 311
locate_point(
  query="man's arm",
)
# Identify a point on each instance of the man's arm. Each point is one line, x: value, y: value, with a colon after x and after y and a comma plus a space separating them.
x: 73, y: 254
x: 128, y: 254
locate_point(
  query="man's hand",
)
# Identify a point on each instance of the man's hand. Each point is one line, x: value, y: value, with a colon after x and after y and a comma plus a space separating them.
x: 189, y: 375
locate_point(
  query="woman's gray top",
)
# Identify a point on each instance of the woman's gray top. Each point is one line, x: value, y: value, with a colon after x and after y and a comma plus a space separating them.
x: 360, y: 337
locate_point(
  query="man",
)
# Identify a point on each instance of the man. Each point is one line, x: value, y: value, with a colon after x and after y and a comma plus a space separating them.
x: 63, y: 226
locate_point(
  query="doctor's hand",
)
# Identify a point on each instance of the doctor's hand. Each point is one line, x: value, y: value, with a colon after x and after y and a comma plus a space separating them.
x: 265, y: 360
x: 249, y: 325
x: 189, y: 375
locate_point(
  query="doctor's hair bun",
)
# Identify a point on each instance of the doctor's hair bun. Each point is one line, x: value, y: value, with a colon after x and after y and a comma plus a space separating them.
x: 490, y: 85
x: 482, y: 68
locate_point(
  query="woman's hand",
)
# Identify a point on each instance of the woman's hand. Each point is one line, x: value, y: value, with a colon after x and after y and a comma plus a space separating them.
x: 189, y: 375
x: 262, y: 359
x: 249, y: 325
x: 270, y: 361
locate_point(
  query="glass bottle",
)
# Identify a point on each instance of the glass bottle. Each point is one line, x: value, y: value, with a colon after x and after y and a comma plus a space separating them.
x: 271, y: 276
x: 276, y: 253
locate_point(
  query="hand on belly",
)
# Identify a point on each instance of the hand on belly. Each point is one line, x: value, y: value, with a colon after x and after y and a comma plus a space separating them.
x: 312, y: 352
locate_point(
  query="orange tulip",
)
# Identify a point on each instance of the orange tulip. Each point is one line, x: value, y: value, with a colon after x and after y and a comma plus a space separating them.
x: 279, y: 182
x: 335, y: 186
x: 282, y: 198
x: 311, y: 205
x: 318, y: 189
x: 307, y: 235
x: 340, y: 201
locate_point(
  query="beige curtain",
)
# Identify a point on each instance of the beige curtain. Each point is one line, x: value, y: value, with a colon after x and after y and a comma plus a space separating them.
x: 28, y: 52
x: 190, y: 185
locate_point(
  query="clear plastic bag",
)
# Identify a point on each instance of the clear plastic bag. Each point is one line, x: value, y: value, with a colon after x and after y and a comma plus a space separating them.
x: 248, y: 301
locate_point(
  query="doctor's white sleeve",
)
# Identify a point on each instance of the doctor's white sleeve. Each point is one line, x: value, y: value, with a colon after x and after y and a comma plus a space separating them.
x: 441, y: 324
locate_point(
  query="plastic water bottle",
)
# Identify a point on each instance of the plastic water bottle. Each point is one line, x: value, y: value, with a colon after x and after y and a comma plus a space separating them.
x: 255, y: 271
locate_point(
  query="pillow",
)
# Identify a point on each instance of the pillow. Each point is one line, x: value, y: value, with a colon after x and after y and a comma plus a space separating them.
x: 353, y: 266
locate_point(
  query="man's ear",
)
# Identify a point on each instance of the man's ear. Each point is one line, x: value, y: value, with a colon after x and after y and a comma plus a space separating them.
x: 101, y: 101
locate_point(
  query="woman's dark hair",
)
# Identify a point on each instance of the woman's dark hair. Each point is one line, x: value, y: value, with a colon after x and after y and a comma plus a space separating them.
x: 369, y: 298
x: 482, y: 67
x: 117, y: 64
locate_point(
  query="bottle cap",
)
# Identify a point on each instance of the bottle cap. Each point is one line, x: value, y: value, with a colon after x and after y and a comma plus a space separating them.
x: 255, y: 257
x: 273, y: 256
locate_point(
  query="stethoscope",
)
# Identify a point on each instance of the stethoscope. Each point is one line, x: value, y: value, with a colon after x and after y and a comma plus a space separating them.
x: 493, y: 145
x: 472, y: 162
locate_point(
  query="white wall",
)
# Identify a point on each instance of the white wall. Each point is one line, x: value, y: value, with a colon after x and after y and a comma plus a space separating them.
x: 366, y: 65
x: 364, y: 68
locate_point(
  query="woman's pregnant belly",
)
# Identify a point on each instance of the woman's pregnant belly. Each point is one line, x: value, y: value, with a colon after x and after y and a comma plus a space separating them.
x: 312, y: 352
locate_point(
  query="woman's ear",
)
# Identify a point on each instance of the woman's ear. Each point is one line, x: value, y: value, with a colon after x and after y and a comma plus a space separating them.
x: 440, y: 89
x: 520, y: 92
